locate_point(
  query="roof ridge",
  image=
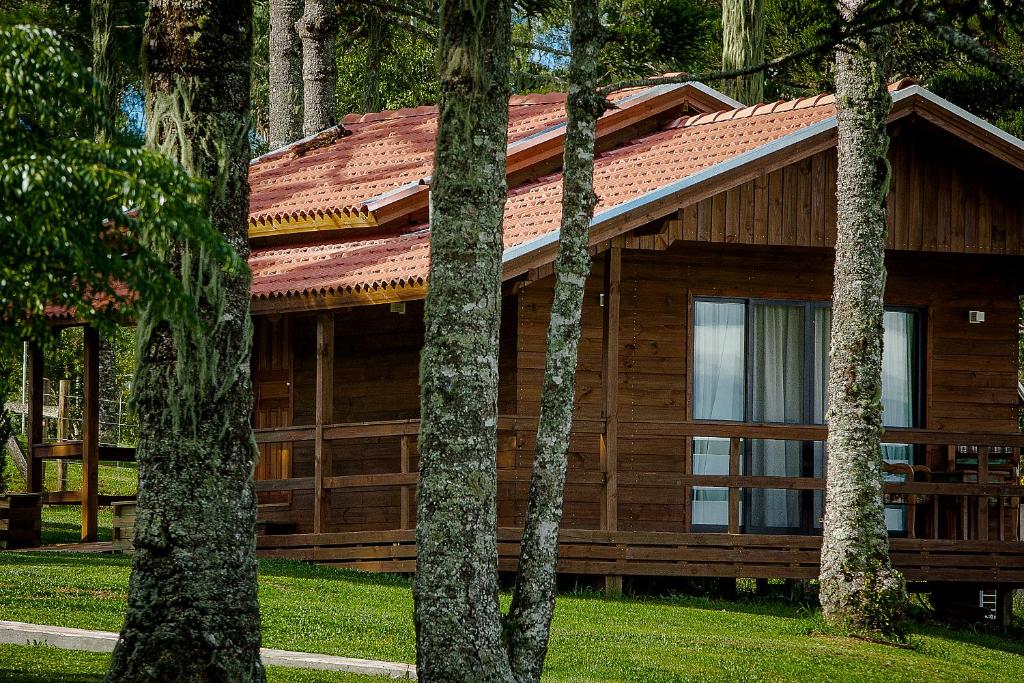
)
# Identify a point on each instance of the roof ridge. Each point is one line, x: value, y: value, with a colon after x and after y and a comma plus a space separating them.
x: 760, y: 109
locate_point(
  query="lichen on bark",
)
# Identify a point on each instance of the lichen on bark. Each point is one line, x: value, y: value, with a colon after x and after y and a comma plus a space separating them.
x: 527, y: 625
x: 317, y: 29
x: 860, y: 590
x: 286, y: 88
x: 458, y: 618
x: 743, y: 31
x: 192, y: 608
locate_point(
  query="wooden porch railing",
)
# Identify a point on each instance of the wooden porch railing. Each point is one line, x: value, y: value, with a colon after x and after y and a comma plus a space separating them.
x: 960, y: 497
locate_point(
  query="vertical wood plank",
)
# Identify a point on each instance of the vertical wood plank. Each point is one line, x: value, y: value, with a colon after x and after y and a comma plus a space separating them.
x: 818, y: 200
x: 760, y: 226
x: 733, y: 214
x: 689, y: 216
x: 943, y: 210
x: 746, y: 232
x: 324, y: 416
x: 34, y: 478
x: 790, y: 187
x: 718, y: 217
x: 957, y: 231
x: 775, y: 230
x: 404, y: 522
x: 831, y: 199
x: 688, y: 490
x: 610, y: 400
x: 803, y: 208
x: 704, y: 220
x: 90, y: 433
x: 734, y: 493
x: 983, y: 500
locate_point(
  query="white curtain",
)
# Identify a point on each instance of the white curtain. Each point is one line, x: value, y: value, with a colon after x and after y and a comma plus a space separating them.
x: 718, y: 341
x: 710, y: 504
x: 778, y: 381
x: 897, y: 398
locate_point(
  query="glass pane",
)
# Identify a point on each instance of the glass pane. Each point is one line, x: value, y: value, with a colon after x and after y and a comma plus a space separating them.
x: 777, y: 361
x: 710, y: 455
x: 718, y: 349
x: 822, y: 340
x: 710, y: 506
x: 898, y: 369
x: 896, y: 518
x: 898, y: 351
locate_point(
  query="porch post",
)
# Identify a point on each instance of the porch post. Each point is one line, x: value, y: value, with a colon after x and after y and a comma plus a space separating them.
x: 90, y: 433
x: 34, y: 474
x: 610, y: 382
x: 324, y: 416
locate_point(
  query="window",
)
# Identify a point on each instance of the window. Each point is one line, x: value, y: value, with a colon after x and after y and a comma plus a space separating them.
x: 767, y: 361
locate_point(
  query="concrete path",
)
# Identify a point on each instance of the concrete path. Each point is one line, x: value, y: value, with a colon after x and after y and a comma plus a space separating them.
x: 19, y: 633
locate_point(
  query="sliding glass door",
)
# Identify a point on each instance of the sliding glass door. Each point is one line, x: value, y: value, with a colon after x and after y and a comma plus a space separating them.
x: 767, y: 362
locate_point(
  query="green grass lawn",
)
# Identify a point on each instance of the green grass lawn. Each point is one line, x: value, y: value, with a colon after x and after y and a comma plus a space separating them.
x: 63, y: 523
x: 39, y: 664
x: 319, y: 609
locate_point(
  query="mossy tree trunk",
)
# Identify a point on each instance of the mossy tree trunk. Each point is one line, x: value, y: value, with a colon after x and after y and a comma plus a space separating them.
x: 458, y: 619
x: 286, y: 86
x: 859, y: 588
x: 527, y: 625
x: 742, y: 47
x: 317, y: 28
x: 378, y: 43
x: 192, y: 608
x: 103, y: 67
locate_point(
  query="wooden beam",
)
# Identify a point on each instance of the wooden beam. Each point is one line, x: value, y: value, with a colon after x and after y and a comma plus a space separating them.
x: 34, y: 476
x: 610, y: 398
x: 324, y: 416
x: 734, y: 492
x: 90, y: 433
x: 406, y: 503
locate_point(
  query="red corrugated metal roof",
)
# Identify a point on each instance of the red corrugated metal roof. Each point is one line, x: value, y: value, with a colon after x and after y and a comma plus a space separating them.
x: 688, y: 146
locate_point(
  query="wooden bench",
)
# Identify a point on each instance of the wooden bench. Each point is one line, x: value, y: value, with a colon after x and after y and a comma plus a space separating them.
x: 20, y: 520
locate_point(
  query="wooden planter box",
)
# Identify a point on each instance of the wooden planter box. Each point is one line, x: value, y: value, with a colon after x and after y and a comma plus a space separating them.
x: 123, y: 526
x: 20, y: 520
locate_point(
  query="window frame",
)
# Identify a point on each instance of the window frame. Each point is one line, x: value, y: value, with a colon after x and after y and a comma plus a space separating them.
x: 807, y: 390
x: 810, y: 307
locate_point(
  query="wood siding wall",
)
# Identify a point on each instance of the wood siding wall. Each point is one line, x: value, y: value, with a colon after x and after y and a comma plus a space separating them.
x: 970, y: 370
x: 944, y: 198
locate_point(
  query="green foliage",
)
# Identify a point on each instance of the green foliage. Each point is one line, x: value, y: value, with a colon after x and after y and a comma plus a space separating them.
x: 660, y: 36
x: 86, y: 226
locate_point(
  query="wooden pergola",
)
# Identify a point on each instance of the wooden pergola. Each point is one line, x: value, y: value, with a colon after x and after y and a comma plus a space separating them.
x: 88, y: 450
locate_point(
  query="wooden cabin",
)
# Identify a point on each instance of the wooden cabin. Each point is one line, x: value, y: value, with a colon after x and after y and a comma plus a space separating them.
x: 698, y: 442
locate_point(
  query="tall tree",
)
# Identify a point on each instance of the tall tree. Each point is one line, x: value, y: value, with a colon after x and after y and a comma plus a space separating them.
x: 286, y: 85
x: 192, y: 608
x: 378, y: 39
x: 859, y: 587
x: 743, y: 29
x: 458, y: 619
x: 460, y: 634
x: 317, y: 29
x: 527, y: 626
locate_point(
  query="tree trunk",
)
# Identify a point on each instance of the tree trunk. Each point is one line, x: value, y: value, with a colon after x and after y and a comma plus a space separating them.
x: 743, y: 46
x: 317, y: 29
x: 859, y: 588
x: 527, y: 626
x: 192, y: 608
x: 103, y: 60
x: 458, y: 619
x: 285, y: 73
x: 377, y: 46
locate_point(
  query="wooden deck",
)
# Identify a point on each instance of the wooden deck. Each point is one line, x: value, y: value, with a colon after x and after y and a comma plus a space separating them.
x: 963, y: 516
